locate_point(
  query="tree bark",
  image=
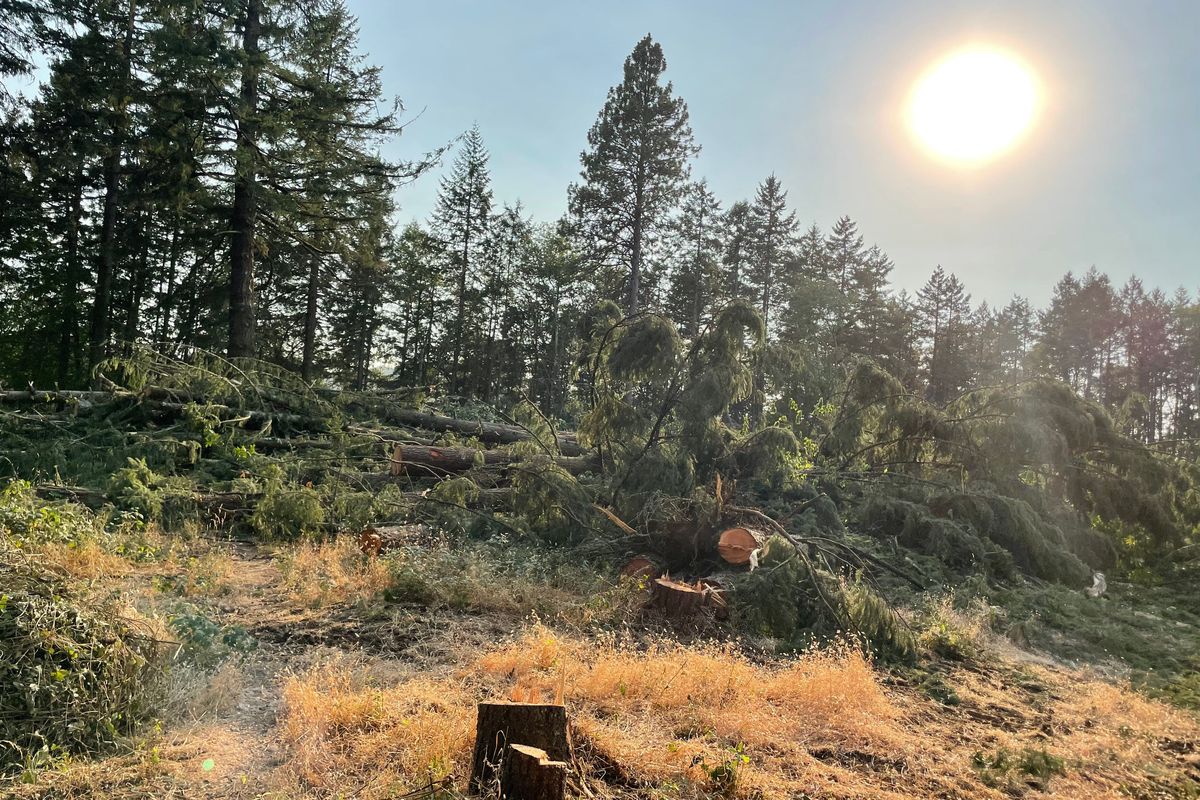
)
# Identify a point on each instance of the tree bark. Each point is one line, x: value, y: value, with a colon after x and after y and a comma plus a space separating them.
x: 102, y: 300
x: 501, y: 723
x: 245, y: 201
x: 310, y: 319
x: 677, y: 600
x: 530, y: 774
x: 415, y: 459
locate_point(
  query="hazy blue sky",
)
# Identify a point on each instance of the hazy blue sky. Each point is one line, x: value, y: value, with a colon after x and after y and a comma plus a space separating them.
x: 814, y: 92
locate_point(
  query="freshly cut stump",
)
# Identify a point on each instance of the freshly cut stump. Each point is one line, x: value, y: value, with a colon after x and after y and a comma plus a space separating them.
x: 501, y: 723
x: 736, y: 544
x: 530, y: 774
x: 677, y: 600
x: 642, y: 566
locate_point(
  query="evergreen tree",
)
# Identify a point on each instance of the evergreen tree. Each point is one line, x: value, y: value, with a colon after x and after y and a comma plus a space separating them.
x: 461, y: 223
x: 773, y: 230
x: 634, y: 169
x: 943, y: 327
x: 695, y: 245
x: 735, y: 256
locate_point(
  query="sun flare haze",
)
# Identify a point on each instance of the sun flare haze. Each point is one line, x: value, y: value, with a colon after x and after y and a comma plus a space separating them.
x: 973, y: 105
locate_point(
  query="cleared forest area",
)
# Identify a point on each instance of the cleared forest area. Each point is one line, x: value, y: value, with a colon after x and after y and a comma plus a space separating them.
x: 312, y: 590
x: 660, y: 498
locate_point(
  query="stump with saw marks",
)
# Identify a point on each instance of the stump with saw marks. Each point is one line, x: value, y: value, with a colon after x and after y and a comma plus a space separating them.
x: 501, y: 723
x: 530, y: 774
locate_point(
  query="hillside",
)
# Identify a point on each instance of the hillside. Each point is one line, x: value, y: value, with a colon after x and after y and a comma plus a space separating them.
x: 230, y: 583
x: 314, y: 671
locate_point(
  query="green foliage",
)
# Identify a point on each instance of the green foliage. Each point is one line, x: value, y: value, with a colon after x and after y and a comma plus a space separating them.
x: 658, y: 416
x: 1005, y: 769
x: 286, y: 511
x: 787, y: 599
x: 206, y: 643
x: 75, y: 674
x: 155, y: 497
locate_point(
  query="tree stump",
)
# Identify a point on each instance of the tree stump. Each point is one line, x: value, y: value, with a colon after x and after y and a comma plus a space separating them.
x: 501, y: 723
x: 530, y: 774
x: 677, y: 600
x: 735, y: 545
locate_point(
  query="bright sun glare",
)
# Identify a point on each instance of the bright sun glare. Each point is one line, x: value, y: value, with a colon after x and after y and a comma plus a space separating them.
x: 973, y: 105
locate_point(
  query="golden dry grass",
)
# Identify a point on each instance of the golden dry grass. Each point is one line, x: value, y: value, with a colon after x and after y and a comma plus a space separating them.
x: 699, y: 722
x: 320, y: 574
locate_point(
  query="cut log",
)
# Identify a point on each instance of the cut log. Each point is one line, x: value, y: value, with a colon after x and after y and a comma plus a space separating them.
x: 735, y: 545
x: 376, y: 540
x: 501, y: 723
x: 677, y: 600
x: 489, y: 432
x: 530, y: 774
x: 422, y: 461
x: 643, y: 566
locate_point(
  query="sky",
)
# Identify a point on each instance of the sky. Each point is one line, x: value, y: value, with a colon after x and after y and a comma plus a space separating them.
x: 814, y: 92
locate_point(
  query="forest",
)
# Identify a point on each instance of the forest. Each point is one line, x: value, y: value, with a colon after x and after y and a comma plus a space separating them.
x: 690, y: 469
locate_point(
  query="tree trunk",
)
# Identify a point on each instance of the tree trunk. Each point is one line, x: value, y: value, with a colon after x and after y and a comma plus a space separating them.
x: 245, y: 201
x: 99, y: 328
x: 310, y: 319
x: 677, y: 600
x: 530, y: 774
x: 635, y: 265
x: 644, y: 565
x: 501, y: 723
x: 736, y: 545
x: 68, y: 332
x: 421, y: 460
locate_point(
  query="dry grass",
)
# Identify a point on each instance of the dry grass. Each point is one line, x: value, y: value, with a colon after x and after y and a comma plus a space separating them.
x: 194, y: 694
x: 89, y: 561
x: 701, y: 722
x: 667, y: 715
x: 348, y: 736
x: 320, y: 574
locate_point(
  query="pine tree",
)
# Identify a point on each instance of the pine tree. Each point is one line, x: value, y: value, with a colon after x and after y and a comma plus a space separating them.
x: 773, y: 230
x: 844, y: 249
x: 695, y: 244
x: 461, y: 223
x: 634, y: 169
x: 942, y: 313
x: 736, y: 254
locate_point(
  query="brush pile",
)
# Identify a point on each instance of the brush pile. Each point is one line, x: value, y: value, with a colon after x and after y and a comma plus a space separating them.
x: 75, y: 675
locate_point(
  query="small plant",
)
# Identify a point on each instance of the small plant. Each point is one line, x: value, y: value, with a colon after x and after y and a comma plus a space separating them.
x: 207, y: 643
x: 1007, y: 770
x: 724, y: 777
x: 288, y: 512
x: 950, y: 633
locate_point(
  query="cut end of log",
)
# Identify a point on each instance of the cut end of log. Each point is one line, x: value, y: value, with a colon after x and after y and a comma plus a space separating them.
x: 736, y: 545
x: 642, y: 566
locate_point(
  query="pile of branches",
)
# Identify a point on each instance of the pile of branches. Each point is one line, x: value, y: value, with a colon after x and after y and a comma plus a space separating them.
x: 75, y: 676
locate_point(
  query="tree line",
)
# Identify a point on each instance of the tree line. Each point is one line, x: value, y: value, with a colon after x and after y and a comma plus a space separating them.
x: 209, y: 174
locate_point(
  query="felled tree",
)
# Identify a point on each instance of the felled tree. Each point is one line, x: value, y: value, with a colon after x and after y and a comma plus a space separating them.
x: 657, y: 408
x: 1048, y: 461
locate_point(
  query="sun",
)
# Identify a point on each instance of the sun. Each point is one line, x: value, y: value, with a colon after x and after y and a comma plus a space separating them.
x: 973, y: 105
